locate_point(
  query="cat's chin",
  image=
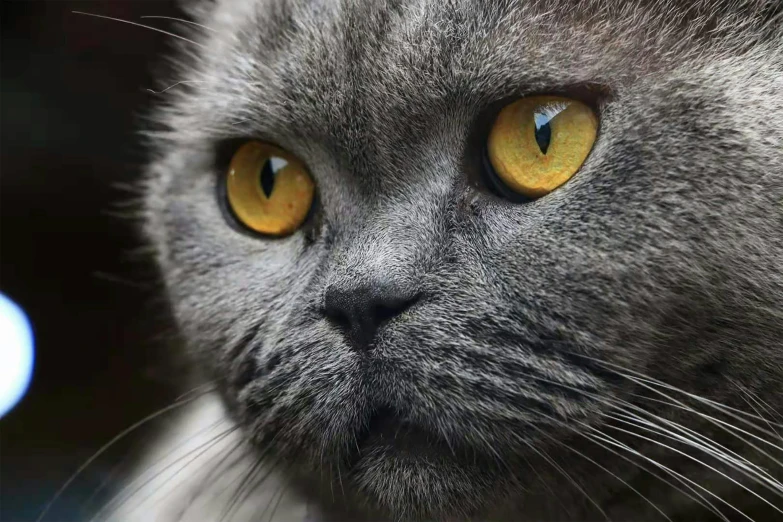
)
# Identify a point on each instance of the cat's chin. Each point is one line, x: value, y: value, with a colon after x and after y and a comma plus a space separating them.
x: 409, y: 472
x: 410, y: 481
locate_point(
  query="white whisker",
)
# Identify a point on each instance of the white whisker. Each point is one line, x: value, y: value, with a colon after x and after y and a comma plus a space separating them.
x: 607, y: 471
x: 108, y: 445
x: 122, y: 496
x: 200, y: 451
x: 587, y: 434
x: 648, y: 383
x: 699, y: 437
x: 254, y: 478
x: 729, y: 428
x: 768, y: 408
x: 180, y: 20
x: 614, y: 403
x: 773, y: 506
x: 631, y: 374
x: 185, y: 82
x: 614, y: 442
x: 762, y: 479
x: 245, y: 486
x: 546, y: 486
x: 700, y: 500
x: 754, y: 404
x: 758, y: 472
x: 141, y: 25
x: 725, y: 409
x: 565, y: 474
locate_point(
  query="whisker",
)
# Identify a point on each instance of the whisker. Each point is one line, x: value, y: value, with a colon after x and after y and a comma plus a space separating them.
x: 182, y: 82
x: 180, y: 20
x: 700, y: 500
x: 493, y: 450
x: 238, y: 495
x: 728, y: 428
x: 197, y: 390
x: 221, y: 467
x: 151, y: 28
x: 680, y: 405
x: 277, y: 505
x: 682, y: 428
x: 754, y: 403
x: 565, y: 474
x: 108, y: 445
x: 568, y: 447
x: 104, y: 483
x: 628, y: 373
x: 340, y: 479
x: 699, y: 462
x: 282, y: 491
x: 615, y: 403
x: 676, y: 475
x: 549, y: 489
x: 331, y: 482
x: 680, y: 477
x: 755, y: 473
x: 245, y: 489
x: 201, y: 449
x: 768, y: 408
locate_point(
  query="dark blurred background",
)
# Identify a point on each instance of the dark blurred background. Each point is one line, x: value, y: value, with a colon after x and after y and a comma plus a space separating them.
x: 73, y: 93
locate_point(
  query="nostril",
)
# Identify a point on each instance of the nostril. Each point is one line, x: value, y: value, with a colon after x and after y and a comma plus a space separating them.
x: 338, y: 317
x: 388, y: 310
x: 383, y: 313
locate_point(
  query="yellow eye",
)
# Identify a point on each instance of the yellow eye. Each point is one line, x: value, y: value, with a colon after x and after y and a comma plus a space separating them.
x: 268, y: 189
x: 539, y: 143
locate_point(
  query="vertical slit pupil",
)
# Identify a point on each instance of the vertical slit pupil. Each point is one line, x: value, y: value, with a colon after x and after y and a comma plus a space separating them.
x: 543, y: 135
x: 272, y: 166
x: 267, y: 178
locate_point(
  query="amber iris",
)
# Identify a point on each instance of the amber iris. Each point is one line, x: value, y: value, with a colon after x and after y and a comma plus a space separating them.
x: 269, y: 190
x: 540, y: 142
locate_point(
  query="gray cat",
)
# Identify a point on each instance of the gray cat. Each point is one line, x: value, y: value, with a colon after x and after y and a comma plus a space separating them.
x: 428, y: 341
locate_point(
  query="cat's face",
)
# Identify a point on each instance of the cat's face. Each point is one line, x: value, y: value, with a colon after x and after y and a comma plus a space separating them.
x: 500, y: 325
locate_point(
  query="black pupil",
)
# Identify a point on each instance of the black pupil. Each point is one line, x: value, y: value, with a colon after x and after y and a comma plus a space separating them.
x: 543, y: 135
x: 268, y: 173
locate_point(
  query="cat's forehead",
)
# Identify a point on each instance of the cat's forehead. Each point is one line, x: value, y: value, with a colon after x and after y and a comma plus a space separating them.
x: 329, y: 68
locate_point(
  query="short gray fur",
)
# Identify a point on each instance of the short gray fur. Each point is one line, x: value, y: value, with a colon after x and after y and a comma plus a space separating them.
x: 663, y: 255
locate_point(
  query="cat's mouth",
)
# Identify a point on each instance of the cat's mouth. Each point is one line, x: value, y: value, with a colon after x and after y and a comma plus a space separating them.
x: 389, y: 432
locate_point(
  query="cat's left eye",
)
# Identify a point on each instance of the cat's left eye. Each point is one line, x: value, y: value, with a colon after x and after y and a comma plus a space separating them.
x: 269, y: 190
x: 539, y: 142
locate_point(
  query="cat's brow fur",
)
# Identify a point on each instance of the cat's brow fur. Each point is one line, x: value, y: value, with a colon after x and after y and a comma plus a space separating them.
x: 663, y: 255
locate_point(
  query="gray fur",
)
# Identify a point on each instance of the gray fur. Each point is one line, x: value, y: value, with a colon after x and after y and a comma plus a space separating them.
x: 663, y: 255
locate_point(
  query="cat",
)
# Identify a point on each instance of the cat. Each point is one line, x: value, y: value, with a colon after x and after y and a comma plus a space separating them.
x: 429, y: 346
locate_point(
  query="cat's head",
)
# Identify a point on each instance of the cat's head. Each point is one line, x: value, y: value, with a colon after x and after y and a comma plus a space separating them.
x: 428, y: 342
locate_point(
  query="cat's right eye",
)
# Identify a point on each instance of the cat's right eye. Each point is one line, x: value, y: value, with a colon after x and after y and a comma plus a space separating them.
x: 538, y: 143
x: 268, y: 189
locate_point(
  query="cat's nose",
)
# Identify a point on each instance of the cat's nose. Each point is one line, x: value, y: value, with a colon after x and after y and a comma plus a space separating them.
x: 359, y: 312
